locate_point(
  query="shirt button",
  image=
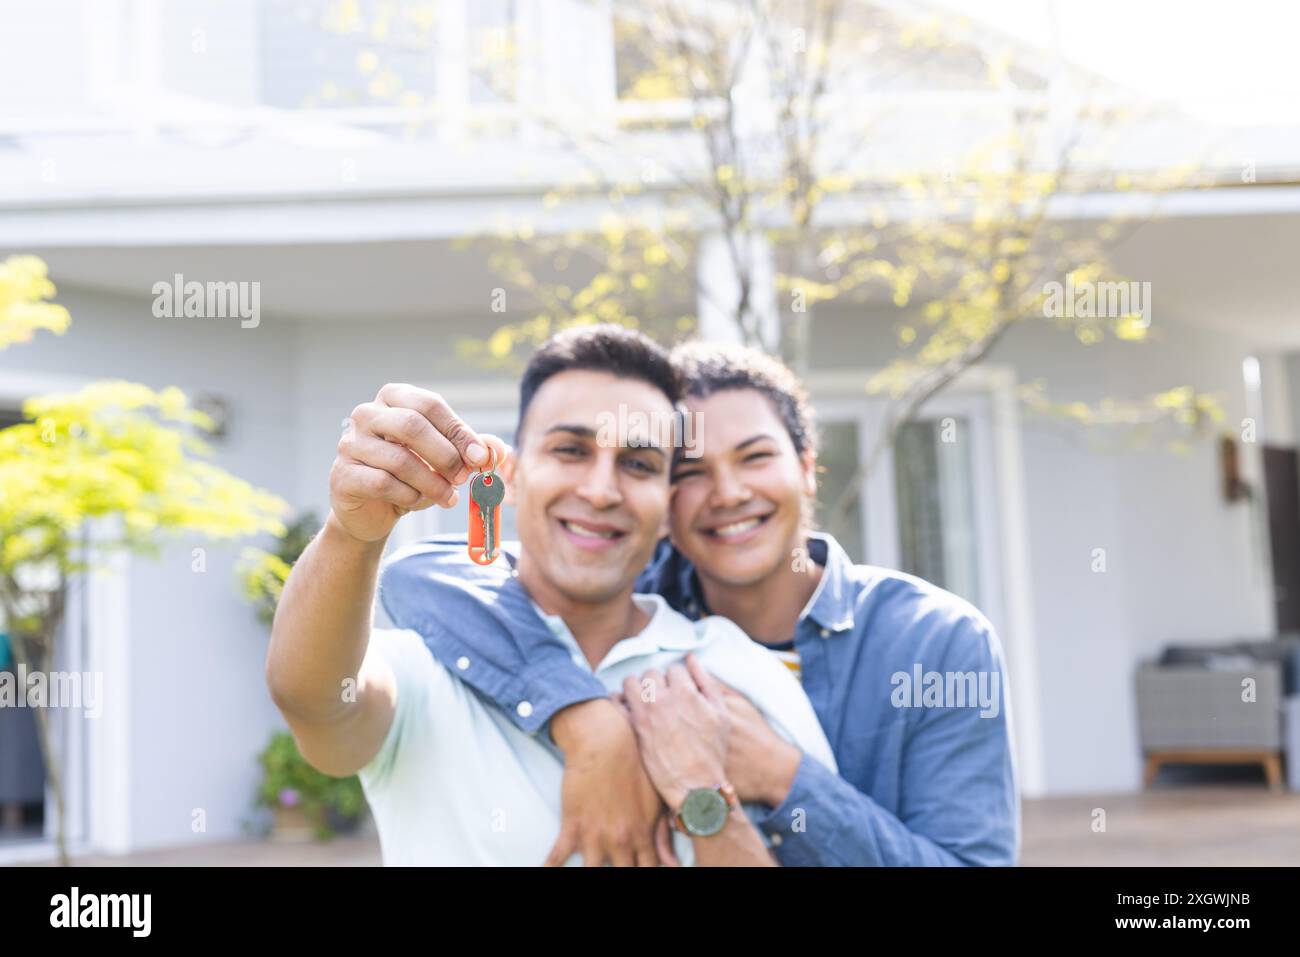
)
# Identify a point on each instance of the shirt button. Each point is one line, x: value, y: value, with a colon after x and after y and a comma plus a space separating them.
x: 462, y: 662
x: 524, y: 709
x: 776, y: 840
x: 826, y: 632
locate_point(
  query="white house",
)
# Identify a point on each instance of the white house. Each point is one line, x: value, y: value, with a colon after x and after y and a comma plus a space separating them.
x: 141, y: 139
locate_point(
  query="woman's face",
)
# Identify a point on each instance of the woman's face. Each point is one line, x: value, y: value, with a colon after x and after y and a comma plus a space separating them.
x: 737, y: 510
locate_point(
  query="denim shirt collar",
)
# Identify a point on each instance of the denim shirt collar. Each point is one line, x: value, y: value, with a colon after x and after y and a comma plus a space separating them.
x: 833, y: 602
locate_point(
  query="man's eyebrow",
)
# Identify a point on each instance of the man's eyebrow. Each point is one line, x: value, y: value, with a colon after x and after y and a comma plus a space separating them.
x: 584, y: 431
x: 587, y: 432
x: 754, y: 438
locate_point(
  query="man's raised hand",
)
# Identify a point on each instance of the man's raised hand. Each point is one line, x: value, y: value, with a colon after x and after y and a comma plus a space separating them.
x: 402, y: 452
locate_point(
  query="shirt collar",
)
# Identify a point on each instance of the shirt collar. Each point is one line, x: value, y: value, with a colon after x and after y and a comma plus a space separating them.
x: 831, y: 604
x: 665, y: 631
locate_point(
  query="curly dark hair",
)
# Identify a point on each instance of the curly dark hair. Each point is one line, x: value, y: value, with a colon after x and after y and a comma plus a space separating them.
x: 707, y: 369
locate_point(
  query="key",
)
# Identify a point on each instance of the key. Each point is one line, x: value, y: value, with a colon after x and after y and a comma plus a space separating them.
x: 487, y: 497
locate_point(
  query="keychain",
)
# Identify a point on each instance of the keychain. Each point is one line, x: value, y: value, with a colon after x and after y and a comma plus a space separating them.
x: 486, y: 491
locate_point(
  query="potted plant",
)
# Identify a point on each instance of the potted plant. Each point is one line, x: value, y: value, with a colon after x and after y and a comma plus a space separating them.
x: 304, y: 802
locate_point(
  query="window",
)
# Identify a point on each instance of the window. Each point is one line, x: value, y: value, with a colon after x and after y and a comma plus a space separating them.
x: 645, y: 67
x: 493, y: 51
x: 936, y: 520
x: 346, y: 55
x: 838, y: 461
x: 928, y: 507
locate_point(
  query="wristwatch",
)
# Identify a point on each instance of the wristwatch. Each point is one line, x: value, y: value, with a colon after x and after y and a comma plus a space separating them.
x: 704, y: 812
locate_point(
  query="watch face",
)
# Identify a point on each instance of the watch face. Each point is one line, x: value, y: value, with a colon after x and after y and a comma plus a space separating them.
x: 704, y: 812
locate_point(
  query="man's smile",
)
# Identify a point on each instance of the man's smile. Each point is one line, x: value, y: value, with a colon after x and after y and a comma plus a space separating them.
x: 591, y: 535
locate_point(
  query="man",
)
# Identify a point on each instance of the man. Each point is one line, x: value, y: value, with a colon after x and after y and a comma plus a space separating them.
x: 922, y: 778
x: 449, y: 778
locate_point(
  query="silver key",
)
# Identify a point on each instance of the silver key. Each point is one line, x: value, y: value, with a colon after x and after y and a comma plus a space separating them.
x: 487, y: 498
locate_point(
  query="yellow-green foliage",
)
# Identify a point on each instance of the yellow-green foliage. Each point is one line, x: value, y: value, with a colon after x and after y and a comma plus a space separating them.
x: 261, y: 577
x: 24, y: 286
x: 123, y: 453
x: 261, y: 574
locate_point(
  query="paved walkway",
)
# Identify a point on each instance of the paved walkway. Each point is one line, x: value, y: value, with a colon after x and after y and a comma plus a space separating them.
x: 1243, y: 825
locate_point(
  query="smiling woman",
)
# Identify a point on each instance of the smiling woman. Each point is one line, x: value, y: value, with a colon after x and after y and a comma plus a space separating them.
x: 742, y: 510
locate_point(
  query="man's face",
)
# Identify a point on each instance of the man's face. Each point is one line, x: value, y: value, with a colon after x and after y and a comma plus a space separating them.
x: 737, y: 510
x: 590, y: 509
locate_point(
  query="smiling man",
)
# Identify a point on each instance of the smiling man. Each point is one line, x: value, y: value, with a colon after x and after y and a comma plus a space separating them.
x: 450, y: 777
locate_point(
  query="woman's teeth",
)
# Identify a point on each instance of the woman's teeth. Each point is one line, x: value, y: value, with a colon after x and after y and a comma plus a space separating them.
x: 586, y: 532
x: 736, y: 528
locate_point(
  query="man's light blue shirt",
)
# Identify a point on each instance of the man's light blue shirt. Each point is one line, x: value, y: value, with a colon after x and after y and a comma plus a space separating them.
x: 894, y: 668
x: 457, y: 783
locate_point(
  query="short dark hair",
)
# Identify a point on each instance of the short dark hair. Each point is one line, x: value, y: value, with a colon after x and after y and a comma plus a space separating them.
x: 707, y: 369
x: 618, y: 350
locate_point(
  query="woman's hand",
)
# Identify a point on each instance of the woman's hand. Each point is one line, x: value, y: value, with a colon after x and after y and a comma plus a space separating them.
x: 761, y: 765
x: 682, y: 727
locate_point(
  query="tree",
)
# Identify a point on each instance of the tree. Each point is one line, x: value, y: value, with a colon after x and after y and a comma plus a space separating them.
x: 777, y: 126
x: 113, y: 468
x: 261, y: 574
x: 24, y: 287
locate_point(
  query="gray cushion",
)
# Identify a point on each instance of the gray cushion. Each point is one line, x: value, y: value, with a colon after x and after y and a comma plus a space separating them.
x: 1284, y: 651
